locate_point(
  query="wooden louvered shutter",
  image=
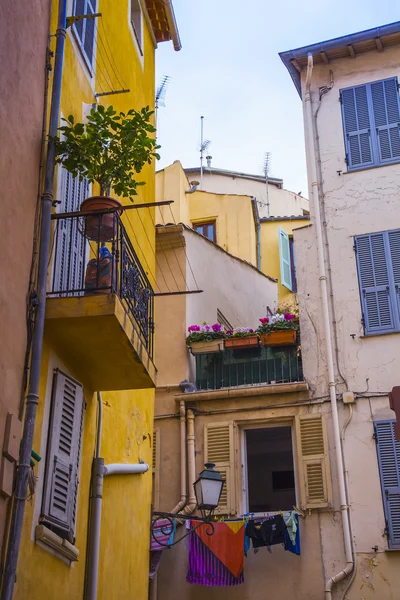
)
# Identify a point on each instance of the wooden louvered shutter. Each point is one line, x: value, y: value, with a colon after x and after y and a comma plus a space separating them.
x: 357, y: 127
x: 315, y: 478
x: 218, y: 449
x: 284, y: 254
x: 156, y: 468
x: 374, y: 280
x: 63, y: 455
x: 394, y: 250
x: 385, y: 102
x: 389, y: 469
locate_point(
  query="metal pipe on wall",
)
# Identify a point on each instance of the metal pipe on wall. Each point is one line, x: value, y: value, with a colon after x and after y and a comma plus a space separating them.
x: 183, y: 498
x: 32, y: 400
x: 310, y: 141
x: 192, y: 503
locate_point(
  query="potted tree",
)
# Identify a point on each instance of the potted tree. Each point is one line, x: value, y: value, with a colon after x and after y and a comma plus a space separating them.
x: 205, y: 339
x: 241, y: 338
x: 279, y: 329
x: 110, y: 150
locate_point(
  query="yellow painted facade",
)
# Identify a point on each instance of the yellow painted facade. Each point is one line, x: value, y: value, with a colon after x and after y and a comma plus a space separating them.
x: 234, y: 222
x: 127, y: 435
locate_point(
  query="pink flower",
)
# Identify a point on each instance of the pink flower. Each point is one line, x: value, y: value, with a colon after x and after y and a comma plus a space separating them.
x: 264, y: 320
x: 193, y: 328
x: 216, y: 327
x: 289, y: 316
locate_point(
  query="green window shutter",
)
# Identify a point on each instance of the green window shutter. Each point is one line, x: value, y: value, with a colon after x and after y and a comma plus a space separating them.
x: 385, y: 102
x: 284, y: 255
x: 376, y: 281
x: 388, y: 450
x: 63, y: 456
x: 357, y: 126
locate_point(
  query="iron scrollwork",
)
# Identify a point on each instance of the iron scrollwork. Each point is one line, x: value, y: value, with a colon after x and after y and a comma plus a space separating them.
x: 135, y: 292
x: 165, y: 528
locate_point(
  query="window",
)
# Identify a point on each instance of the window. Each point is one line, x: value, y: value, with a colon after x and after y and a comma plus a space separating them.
x: 262, y: 478
x: 292, y: 264
x: 371, y: 119
x: 378, y: 264
x: 85, y: 28
x: 206, y: 229
x: 61, y: 479
x: 286, y: 261
x: 270, y: 469
x: 389, y: 470
x: 70, y: 244
x: 137, y: 23
x: 222, y: 320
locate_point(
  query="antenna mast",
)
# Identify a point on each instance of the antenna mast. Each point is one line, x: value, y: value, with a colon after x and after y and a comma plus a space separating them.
x: 160, y: 95
x: 204, y: 144
x: 267, y: 166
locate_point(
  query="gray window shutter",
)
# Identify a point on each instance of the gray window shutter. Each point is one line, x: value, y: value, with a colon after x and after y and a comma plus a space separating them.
x: 357, y: 127
x: 385, y: 102
x: 375, y: 283
x: 63, y: 455
x: 389, y: 470
x: 284, y: 255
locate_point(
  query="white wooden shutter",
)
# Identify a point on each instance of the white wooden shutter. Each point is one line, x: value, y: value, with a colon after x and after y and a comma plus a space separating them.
x: 284, y: 255
x: 218, y: 449
x: 313, y: 461
x: 63, y: 455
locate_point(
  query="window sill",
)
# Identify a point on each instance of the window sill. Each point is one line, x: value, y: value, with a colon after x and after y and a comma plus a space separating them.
x: 357, y: 170
x: 372, y: 335
x: 63, y: 549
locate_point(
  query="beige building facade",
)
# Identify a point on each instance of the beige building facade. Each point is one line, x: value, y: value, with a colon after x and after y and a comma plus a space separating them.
x: 348, y: 278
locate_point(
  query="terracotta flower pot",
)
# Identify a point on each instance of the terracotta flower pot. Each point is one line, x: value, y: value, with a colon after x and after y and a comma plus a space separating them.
x: 283, y: 337
x: 102, y: 227
x: 207, y: 347
x: 241, y: 342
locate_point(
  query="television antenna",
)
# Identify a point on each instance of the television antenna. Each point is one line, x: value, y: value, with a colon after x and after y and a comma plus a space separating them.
x: 204, y: 145
x: 160, y: 94
x: 266, y: 170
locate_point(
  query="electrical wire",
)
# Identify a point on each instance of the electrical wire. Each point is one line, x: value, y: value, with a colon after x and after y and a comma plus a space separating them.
x: 186, y: 256
x: 111, y: 61
x: 172, y: 247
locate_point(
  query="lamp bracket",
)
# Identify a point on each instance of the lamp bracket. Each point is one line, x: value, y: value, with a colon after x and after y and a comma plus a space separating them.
x: 167, y: 528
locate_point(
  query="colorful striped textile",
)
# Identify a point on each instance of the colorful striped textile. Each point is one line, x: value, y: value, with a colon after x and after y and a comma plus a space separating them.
x: 163, y: 534
x: 216, y: 560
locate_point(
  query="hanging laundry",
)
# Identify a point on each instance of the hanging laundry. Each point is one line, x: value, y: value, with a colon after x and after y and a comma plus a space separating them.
x: 217, y: 559
x: 290, y: 544
x: 163, y: 534
x: 155, y: 558
x: 266, y: 532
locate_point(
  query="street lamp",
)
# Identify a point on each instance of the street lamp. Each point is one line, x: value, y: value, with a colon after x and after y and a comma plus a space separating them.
x: 208, y: 489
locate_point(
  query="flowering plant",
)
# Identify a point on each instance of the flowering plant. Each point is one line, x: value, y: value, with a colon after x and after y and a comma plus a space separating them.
x: 240, y: 332
x: 205, y: 333
x: 278, y: 322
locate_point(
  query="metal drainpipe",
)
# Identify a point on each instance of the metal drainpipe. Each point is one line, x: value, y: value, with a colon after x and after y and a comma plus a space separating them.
x: 182, y: 501
x: 344, y: 508
x: 21, y: 479
x: 192, y: 503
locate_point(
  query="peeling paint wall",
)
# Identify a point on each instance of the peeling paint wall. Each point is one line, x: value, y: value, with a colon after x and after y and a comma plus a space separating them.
x: 352, y: 203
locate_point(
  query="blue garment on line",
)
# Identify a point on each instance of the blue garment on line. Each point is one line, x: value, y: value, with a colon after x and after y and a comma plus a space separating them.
x: 295, y: 548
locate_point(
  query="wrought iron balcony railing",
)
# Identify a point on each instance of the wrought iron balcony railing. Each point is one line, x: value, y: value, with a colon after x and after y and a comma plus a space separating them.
x: 93, y: 254
x: 232, y: 368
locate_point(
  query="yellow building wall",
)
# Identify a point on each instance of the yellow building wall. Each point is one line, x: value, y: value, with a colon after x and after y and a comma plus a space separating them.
x: 127, y: 416
x: 270, y: 258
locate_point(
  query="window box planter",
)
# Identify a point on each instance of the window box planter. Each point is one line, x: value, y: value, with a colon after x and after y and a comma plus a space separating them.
x: 211, y: 347
x: 279, y: 338
x: 236, y: 343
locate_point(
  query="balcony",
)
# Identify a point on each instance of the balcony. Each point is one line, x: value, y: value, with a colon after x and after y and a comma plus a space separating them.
x: 100, y: 306
x: 234, y: 368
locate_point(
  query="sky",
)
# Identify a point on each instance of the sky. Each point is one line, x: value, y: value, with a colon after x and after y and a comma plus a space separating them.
x: 229, y: 71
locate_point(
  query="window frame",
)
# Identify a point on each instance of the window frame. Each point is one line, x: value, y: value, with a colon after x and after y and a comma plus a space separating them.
x: 243, y: 463
x: 213, y: 223
x: 138, y: 35
x: 284, y: 237
x: 395, y: 303
x: 90, y: 64
x: 374, y: 136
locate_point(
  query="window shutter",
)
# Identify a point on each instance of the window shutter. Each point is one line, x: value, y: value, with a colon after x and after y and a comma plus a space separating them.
x: 357, y: 126
x: 314, y: 470
x: 218, y: 449
x: 385, y: 102
x: 63, y: 455
x: 156, y: 468
x: 394, y: 247
x: 373, y: 278
x: 389, y: 469
x: 284, y: 254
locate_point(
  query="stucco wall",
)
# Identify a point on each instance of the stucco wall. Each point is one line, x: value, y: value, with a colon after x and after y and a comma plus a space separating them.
x: 23, y: 41
x: 352, y: 203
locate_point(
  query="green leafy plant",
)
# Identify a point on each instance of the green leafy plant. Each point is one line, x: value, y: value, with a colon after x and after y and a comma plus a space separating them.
x: 240, y: 332
x: 205, y: 333
x: 110, y: 149
x: 278, y: 322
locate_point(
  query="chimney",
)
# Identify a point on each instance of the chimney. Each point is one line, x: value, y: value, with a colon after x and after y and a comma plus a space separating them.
x: 208, y: 159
